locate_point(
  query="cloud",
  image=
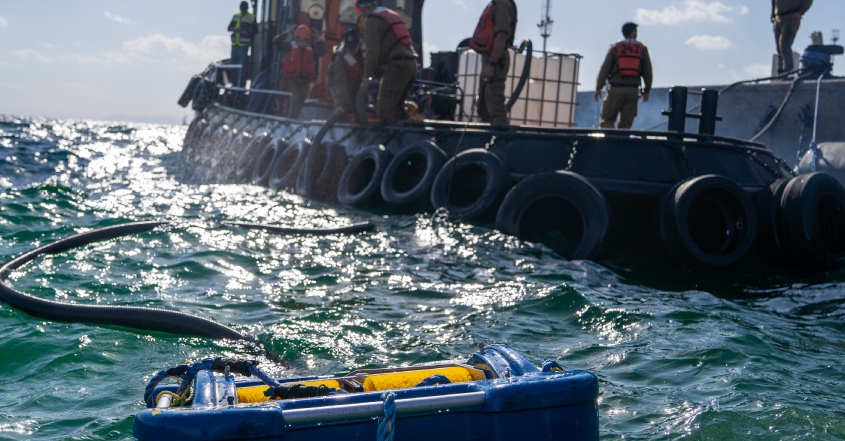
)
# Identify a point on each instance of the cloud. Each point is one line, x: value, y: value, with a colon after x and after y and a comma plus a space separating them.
x: 3, y: 22
x: 693, y: 10
x: 161, y: 49
x: 758, y: 70
x: 116, y: 18
x: 31, y: 54
x: 708, y: 42
x: 153, y: 49
x: 106, y: 58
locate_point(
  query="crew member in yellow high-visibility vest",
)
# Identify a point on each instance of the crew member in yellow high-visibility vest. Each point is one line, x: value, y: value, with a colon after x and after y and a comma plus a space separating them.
x: 243, y: 28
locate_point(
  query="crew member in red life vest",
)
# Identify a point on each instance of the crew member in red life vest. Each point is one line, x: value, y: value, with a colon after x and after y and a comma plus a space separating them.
x: 626, y: 62
x: 346, y: 71
x: 299, y: 69
x: 493, y: 35
x: 390, y: 51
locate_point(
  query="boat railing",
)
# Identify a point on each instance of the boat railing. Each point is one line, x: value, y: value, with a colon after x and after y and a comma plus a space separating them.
x: 248, y: 91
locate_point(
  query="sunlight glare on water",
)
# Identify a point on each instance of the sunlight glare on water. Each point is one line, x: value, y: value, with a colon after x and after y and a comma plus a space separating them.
x: 760, y: 359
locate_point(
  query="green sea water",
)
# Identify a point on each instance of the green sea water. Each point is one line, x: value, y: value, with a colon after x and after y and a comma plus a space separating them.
x: 761, y: 358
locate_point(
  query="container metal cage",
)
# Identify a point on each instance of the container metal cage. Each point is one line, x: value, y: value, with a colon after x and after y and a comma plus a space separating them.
x: 548, y: 98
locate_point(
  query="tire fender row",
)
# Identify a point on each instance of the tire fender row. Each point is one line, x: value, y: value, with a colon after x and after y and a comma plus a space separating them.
x: 703, y: 221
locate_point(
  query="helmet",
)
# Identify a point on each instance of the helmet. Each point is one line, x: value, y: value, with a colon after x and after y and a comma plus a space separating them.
x: 364, y: 3
x: 302, y: 31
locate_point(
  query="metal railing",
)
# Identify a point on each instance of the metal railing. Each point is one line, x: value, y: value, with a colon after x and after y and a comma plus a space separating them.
x: 278, y: 93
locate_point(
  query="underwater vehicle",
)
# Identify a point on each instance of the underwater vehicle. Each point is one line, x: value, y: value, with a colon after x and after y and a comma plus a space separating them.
x: 496, y: 394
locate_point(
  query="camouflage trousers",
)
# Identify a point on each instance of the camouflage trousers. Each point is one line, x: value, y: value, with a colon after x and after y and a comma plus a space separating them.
x: 621, y: 102
x: 399, y: 76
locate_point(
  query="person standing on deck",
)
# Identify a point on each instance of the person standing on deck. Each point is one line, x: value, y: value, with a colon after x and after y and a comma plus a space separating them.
x: 627, y: 61
x: 493, y: 35
x: 389, y: 52
x: 786, y: 17
x: 242, y: 27
x: 346, y: 71
x: 299, y: 69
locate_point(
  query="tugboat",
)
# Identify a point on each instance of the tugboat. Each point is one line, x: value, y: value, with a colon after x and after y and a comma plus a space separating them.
x: 699, y: 199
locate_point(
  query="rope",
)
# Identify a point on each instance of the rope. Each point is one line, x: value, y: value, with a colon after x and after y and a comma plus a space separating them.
x: 177, y: 400
x: 814, y: 151
x: 187, y: 373
x: 552, y: 366
x: 780, y: 109
x: 816, y: 60
x: 268, y: 380
x: 386, y: 423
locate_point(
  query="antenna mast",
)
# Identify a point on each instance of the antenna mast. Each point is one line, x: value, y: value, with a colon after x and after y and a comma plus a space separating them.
x: 545, y: 24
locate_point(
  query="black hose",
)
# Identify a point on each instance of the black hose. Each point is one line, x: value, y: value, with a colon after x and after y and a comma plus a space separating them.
x: 336, y: 116
x: 526, y: 71
x: 135, y: 317
x: 352, y: 229
x: 146, y: 319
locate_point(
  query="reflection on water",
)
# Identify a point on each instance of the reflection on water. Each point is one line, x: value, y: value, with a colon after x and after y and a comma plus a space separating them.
x: 760, y: 358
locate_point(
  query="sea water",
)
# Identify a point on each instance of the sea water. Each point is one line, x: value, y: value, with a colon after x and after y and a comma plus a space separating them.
x: 699, y: 359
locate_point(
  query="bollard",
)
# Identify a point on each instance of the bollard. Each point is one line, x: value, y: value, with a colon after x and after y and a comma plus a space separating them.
x: 677, y: 112
x: 709, y: 106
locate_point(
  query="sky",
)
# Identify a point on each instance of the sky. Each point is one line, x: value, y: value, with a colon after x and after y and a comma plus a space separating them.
x: 129, y: 61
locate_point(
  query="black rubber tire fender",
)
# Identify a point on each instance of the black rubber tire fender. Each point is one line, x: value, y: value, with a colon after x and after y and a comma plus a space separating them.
x: 229, y: 164
x: 202, y: 142
x: 288, y: 165
x: 770, y: 241
x: 470, y: 185
x: 410, y: 173
x: 813, y: 214
x: 264, y: 165
x: 323, y: 167
x: 708, y: 221
x: 195, y: 129
x: 560, y: 209
x: 222, y: 148
x: 361, y: 179
x: 214, y: 140
x: 247, y: 159
x: 188, y: 94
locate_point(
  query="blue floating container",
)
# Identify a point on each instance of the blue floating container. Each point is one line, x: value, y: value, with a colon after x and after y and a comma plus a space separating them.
x: 508, y: 398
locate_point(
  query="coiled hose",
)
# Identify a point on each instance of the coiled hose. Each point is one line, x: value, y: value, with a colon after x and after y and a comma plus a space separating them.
x: 135, y: 317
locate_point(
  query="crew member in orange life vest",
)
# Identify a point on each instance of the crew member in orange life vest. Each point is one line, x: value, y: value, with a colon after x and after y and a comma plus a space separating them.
x: 493, y: 35
x: 626, y: 62
x: 346, y: 71
x: 390, y: 51
x: 299, y: 69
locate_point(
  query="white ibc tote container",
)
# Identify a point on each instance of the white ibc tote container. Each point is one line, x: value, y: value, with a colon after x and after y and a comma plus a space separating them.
x: 548, y: 98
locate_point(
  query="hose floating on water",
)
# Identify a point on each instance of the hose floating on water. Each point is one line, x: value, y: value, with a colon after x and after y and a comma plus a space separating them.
x: 147, y: 319
x: 135, y: 317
